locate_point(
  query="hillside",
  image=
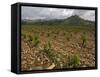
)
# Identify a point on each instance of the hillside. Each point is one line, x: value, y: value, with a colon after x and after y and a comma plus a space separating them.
x: 70, y: 21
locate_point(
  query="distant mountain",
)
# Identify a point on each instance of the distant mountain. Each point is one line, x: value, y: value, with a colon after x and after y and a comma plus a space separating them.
x: 71, y: 21
x: 77, y: 21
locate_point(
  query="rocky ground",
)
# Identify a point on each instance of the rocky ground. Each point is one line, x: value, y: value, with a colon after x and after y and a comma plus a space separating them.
x: 63, y: 45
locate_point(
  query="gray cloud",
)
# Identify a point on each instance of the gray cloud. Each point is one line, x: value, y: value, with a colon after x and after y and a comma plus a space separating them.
x: 55, y: 13
x: 86, y: 14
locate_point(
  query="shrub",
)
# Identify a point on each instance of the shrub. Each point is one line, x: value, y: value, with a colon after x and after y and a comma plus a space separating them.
x: 73, y: 60
x: 47, y: 48
x: 52, y: 55
x: 29, y: 40
x: 83, y: 38
x: 36, y: 41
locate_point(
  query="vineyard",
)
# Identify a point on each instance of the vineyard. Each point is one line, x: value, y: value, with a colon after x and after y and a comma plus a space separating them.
x: 57, y: 47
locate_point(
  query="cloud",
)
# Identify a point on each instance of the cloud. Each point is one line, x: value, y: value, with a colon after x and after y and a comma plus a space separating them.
x: 86, y: 14
x: 55, y: 13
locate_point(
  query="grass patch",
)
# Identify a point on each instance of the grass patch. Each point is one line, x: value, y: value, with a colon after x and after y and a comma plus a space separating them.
x: 73, y: 60
x: 84, y: 40
x: 36, y: 41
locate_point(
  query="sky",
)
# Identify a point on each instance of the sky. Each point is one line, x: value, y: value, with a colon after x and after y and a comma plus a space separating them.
x: 34, y: 13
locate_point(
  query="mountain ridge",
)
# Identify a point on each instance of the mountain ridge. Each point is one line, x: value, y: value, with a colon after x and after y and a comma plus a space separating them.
x: 72, y: 20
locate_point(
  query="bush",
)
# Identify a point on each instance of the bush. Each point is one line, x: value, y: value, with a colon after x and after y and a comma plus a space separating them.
x: 33, y: 41
x: 73, y: 60
x: 29, y: 40
x: 83, y: 38
x: 47, y: 48
x: 52, y: 55
x: 36, y: 41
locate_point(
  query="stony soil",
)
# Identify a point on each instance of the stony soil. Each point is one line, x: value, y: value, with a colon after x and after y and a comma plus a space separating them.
x: 63, y: 44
